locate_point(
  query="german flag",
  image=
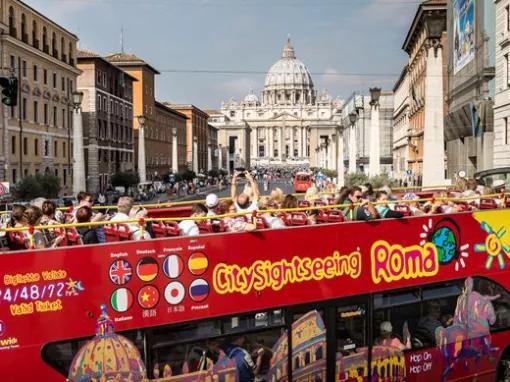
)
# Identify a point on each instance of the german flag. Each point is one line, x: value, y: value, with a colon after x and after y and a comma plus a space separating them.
x: 147, y: 269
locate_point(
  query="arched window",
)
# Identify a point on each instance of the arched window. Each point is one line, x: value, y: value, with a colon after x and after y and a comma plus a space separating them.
x: 35, y: 35
x: 46, y: 48
x: 318, y: 353
x: 63, y: 49
x: 24, y: 34
x: 54, y: 45
x: 71, y: 59
x: 296, y: 363
x: 307, y: 358
x: 12, y: 22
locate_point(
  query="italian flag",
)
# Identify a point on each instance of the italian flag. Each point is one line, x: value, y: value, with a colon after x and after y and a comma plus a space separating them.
x: 121, y: 300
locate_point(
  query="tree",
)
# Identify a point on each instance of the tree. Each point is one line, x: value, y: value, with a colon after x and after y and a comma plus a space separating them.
x: 41, y: 185
x: 213, y: 173
x: 188, y: 175
x: 125, y: 179
x: 384, y: 179
x: 355, y: 179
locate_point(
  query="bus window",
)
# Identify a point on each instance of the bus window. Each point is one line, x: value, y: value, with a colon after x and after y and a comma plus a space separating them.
x: 501, y: 305
x: 309, y: 347
x: 59, y: 355
x: 221, y: 348
x: 351, y: 356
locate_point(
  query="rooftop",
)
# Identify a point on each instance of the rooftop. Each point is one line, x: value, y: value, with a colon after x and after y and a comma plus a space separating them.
x: 126, y: 59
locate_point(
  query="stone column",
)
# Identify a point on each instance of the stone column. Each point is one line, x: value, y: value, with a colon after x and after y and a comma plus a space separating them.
x: 433, y: 138
x: 209, y: 156
x: 220, y: 157
x: 195, y: 155
x: 374, y: 167
x: 271, y: 142
x: 340, y: 157
x: 352, y: 148
x: 227, y: 157
x: 304, y: 141
x: 291, y: 146
x: 78, y: 153
x: 175, y: 148
x: 142, y: 167
x: 300, y: 140
x: 280, y: 143
x: 253, y: 141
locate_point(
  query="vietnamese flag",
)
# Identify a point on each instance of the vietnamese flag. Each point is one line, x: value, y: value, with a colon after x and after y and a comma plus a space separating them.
x: 148, y: 297
x: 147, y: 269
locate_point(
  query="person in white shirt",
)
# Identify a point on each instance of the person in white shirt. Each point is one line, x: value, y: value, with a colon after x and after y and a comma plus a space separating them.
x: 124, y: 212
x: 190, y: 227
x: 211, y: 202
x: 242, y: 201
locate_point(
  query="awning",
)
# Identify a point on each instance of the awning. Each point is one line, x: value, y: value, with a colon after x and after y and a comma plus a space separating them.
x: 472, y: 119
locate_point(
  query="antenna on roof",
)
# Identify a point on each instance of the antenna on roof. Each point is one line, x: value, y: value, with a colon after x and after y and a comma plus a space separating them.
x: 122, y: 40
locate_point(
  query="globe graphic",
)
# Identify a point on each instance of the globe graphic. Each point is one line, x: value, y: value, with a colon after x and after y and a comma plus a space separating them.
x: 446, y: 244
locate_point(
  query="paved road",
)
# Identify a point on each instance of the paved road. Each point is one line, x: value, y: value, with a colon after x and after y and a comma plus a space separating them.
x: 285, y: 185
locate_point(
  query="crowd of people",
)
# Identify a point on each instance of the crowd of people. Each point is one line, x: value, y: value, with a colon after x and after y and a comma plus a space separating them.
x: 244, y: 211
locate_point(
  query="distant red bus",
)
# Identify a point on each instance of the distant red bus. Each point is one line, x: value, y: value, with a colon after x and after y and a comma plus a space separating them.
x: 417, y: 299
x: 302, y: 182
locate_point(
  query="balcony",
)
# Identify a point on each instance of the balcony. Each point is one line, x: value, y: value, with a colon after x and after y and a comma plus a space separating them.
x: 35, y: 43
x: 64, y: 57
x: 46, y: 49
x: 55, y: 53
x: 12, y: 31
x: 24, y: 38
x: 71, y: 61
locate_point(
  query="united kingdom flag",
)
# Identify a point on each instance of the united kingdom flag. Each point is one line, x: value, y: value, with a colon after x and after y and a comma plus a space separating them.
x: 120, y: 272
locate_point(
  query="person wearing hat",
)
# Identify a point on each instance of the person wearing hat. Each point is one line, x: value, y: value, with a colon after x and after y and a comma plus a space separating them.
x: 388, y: 339
x: 211, y: 202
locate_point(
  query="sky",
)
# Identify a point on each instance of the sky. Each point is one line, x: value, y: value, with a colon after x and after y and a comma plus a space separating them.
x: 348, y: 45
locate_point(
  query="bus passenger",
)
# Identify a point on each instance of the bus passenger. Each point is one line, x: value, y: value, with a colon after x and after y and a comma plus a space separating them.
x: 427, y: 325
x: 290, y: 201
x: 189, y: 227
x: 262, y: 357
x: 31, y: 217
x: 276, y: 197
x: 382, y: 207
x: 244, y: 364
x: 234, y: 223
x: 387, y: 339
x: 88, y: 234
x: 358, y: 208
x: 211, y: 202
x: 242, y: 202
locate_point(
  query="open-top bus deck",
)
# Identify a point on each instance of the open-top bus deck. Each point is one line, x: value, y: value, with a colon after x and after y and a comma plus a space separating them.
x: 315, y: 295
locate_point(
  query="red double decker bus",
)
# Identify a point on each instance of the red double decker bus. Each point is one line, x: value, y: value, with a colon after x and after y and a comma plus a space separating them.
x: 414, y: 299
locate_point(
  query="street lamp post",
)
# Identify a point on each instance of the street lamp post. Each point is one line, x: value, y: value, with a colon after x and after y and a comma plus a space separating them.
x: 340, y: 156
x: 175, y: 165
x: 78, y: 153
x: 374, y: 167
x: 142, y: 169
x: 353, y: 117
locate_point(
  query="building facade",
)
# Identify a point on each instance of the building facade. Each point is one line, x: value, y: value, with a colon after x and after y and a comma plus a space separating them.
x: 357, y: 136
x: 213, y: 149
x: 196, y: 136
x: 290, y: 125
x: 107, y: 110
x: 425, y: 44
x: 502, y: 86
x: 401, y: 136
x: 469, y: 124
x: 167, y: 120
x: 158, y: 128
x: 36, y: 134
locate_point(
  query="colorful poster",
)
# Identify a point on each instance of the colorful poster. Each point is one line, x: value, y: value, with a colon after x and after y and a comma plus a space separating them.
x: 463, y: 33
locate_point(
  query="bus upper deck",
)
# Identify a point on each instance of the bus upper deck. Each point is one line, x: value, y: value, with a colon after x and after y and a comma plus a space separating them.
x: 171, y: 295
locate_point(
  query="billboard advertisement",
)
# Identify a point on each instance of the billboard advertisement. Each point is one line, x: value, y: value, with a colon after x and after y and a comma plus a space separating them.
x: 463, y: 33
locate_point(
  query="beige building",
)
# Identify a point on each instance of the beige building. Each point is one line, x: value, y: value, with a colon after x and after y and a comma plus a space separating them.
x: 37, y: 132
x: 502, y: 96
x: 161, y: 123
x: 401, y: 126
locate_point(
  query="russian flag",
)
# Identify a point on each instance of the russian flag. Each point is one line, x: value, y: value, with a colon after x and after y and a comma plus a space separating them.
x: 173, y: 266
x: 199, y: 290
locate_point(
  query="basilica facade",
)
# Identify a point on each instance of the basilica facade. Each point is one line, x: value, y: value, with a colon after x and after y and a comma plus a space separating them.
x: 289, y: 124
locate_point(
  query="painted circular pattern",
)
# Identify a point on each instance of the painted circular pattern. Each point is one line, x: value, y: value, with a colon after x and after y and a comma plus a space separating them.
x: 446, y: 244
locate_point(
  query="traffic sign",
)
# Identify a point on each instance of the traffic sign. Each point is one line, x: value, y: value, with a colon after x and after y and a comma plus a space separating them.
x: 409, y: 172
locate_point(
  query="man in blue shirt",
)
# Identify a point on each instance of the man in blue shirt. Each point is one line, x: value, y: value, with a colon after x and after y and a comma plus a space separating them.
x: 244, y: 363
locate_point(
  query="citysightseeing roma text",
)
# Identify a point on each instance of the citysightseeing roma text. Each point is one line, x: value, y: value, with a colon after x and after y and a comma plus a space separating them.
x: 263, y: 274
x: 389, y: 263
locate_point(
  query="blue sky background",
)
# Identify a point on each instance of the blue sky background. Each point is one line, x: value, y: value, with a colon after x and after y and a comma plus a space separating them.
x: 357, y: 37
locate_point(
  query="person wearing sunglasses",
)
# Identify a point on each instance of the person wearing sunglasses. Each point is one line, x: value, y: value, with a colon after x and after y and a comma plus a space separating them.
x: 358, y: 208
